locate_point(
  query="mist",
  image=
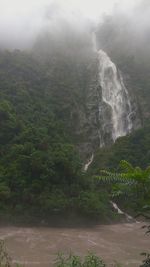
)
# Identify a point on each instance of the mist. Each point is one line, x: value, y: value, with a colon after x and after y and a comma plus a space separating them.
x: 21, y: 22
x: 125, y: 33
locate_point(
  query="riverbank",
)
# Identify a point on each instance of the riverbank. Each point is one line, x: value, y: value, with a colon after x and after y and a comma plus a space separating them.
x: 61, y: 220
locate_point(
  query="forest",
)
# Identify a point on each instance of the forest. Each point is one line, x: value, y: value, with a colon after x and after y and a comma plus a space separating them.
x: 41, y: 169
x: 74, y: 134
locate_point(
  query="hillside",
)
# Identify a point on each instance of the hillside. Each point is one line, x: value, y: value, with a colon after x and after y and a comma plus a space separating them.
x: 134, y: 148
x: 43, y: 113
x: 125, y: 37
x: 53, y: 117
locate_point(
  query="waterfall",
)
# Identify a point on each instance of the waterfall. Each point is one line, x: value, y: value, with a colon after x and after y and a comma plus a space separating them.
x: 115, y: 96
x: 119, y: 211
x: 115, y: 111
x: 86, y: 166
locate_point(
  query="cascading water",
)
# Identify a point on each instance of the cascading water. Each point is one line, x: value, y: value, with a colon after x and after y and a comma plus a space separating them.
x: 115, y: 109
x: 115, y: 96
x: 86, y: 166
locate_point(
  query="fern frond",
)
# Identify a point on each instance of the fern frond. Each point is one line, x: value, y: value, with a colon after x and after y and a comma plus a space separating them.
x: 126, y: 166
x: 114, y: 178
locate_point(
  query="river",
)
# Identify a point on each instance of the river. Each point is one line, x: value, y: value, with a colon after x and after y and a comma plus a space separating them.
x: 38, y: 246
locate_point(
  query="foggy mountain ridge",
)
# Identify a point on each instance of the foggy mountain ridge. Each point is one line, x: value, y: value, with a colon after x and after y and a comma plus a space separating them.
x: 74, y: 97
x: 21, y: 23
x: 64, y: 41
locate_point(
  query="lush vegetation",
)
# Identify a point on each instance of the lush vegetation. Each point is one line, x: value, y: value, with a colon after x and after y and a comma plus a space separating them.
x: 40, y: 167
x: 91, y: 260
x: 44, y: 121
x: 43, y: 95
x: 131, y: 186
x: 133, y: 148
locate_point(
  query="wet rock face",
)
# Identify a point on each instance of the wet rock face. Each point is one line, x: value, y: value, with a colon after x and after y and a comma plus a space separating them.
x: 94, y: 101
x: 117, y: 114
x: 136, y: 115
x: 88, y: 126
x: 110, y: 108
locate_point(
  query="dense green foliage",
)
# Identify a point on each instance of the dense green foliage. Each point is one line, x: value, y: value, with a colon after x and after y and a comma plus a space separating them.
x: 91, y: 260
x: 129, y: 185
x: 44, y: 119
x: 133, y: 148
x: 42, y: 96
x: 40, y: 168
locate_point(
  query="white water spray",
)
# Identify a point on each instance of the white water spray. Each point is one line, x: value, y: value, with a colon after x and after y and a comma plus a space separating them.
x: 115, y: 96
x: 119, y: 211
x: 115, y: 107
x: 86, y: 166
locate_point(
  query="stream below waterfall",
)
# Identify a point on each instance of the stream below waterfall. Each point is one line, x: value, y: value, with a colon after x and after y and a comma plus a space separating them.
x: 38, y: 246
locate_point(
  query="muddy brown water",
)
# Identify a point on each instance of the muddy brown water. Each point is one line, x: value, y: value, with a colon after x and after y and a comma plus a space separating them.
x: 38, y: 246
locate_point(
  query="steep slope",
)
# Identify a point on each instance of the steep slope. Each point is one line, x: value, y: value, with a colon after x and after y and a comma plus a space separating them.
x: 125, y: 38
x: 37, y: 155
x: 134, y: 148
x: 59, y: 103
x: 46, y: 120
x: 72, y: 75
x: 117, y: 115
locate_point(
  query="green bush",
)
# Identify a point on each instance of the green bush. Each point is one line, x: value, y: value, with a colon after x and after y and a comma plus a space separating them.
x: 93, y: 204
x: 91, y: 260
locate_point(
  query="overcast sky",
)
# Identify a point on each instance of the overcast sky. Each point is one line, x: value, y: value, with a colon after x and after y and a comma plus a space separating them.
x: 21, y: 20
